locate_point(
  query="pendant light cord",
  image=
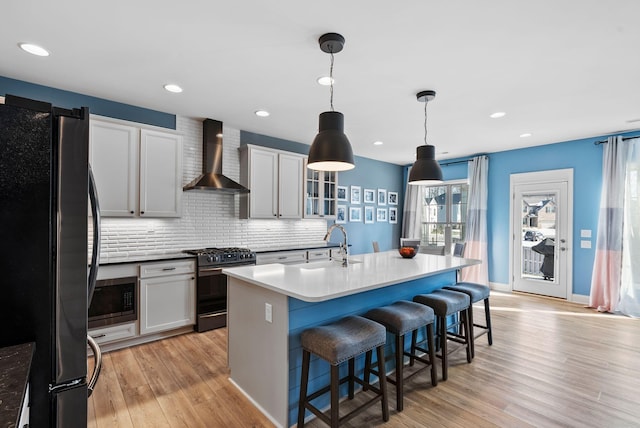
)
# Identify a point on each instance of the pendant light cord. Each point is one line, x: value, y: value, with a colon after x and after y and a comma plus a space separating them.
x: 425, y: 122
x: 331, y: 79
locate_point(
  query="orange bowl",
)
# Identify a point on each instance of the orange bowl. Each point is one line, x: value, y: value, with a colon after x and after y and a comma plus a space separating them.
x: 408, y: 252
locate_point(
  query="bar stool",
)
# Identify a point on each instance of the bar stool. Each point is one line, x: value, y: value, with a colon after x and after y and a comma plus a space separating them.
x: 335, y: 343
x: 476, y: 293
x: 399, y: 319
x: 445, y: 303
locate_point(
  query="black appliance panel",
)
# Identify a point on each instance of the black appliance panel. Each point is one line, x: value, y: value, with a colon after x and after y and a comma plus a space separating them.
x: 70, y: 408
x: 70, y: 335
x: 43, y: 215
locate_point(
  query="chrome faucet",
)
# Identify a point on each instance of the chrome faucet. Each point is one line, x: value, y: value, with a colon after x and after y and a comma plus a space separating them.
x: 343, y: 245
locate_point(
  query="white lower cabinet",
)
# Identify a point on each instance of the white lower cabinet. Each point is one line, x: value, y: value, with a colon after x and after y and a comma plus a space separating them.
x: 114, y: 332
x: 283, y: 257
x: 319, y: 254
x: 167, y: 302
x: 24, y: 413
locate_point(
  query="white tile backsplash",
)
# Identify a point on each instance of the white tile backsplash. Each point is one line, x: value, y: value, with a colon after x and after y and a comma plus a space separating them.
x: 209, y: 219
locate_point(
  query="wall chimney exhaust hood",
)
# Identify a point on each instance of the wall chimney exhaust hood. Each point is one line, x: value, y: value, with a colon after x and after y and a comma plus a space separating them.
x: 212, y: 178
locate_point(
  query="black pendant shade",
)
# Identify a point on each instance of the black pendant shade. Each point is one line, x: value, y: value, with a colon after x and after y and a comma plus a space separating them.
x: 425, y: 170
x: 331, y: 150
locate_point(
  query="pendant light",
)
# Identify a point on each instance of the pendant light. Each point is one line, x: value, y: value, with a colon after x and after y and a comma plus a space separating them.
x: 425, y: 170
x: 331, y: 150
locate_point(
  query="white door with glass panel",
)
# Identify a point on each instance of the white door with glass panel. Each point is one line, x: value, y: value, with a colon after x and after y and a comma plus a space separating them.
x: 541, y: 232
x: 444, y: 216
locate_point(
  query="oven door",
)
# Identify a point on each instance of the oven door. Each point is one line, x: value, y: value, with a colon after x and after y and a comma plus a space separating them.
x: 212, y: 299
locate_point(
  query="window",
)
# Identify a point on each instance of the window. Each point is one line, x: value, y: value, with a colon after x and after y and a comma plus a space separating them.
x: 444, y: 216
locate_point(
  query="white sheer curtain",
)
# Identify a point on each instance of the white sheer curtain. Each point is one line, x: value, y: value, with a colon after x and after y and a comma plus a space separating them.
x: 412, y: 216
x: 629, y: 303
x: 607, y: 266
x: 476, y: 234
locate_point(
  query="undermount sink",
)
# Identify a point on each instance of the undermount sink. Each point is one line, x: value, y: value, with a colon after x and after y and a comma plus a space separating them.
x: 323, y: 264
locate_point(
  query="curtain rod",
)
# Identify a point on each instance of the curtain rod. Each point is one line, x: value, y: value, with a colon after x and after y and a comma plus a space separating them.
x: 597, y: 143
x: 459, y: 161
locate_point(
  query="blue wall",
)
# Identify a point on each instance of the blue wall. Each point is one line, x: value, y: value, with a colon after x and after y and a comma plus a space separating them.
x: 66, y: 99
x: 368, y: 174
x: 584, y: 158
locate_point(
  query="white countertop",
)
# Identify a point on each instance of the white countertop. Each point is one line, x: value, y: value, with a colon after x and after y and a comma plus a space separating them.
x: 326, y: 280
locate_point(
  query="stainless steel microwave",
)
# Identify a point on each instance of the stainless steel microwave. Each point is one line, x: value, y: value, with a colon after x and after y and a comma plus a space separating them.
x: 114, y: 302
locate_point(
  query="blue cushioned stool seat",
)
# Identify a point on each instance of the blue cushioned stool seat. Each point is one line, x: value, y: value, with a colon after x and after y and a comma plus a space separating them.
x: 477, y: 293
x: 400, y: 318
x: 342, y: 340
x: 445, y: 303
x: 335, y: 343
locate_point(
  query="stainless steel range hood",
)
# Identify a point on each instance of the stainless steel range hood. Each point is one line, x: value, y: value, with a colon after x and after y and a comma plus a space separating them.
x: 212, y: 177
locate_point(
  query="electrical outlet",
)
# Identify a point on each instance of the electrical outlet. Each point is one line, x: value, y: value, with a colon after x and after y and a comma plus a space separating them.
x: 268, y: 312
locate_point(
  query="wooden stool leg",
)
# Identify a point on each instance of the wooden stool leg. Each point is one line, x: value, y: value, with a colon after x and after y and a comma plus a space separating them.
x: 367, y: 371
x: 487, y: 316
x: 432, y: 355
x: 442, y: 327
x: 414, y: 340
x: 352, y: 375
x: 471, y: 336
x: 399, y: 372
x: 383, y: 383
x: 335, y: 387
x: 468, y: 332
x: 303, y: 387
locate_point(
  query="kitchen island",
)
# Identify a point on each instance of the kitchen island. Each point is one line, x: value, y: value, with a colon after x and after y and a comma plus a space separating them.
x: 270, y: 305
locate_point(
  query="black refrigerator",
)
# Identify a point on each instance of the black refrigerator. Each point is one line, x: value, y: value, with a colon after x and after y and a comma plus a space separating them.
x: 45, y: 282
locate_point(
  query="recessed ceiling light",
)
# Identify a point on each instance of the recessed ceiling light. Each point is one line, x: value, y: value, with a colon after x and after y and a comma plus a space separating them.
x: 497, y: 115
x: 262, y: 113
x: 378, y: 143
x: 325, y: 80
x: 525, y: 135
x: 219, y: 135
x: 34, y: 49
x: 173, y: 88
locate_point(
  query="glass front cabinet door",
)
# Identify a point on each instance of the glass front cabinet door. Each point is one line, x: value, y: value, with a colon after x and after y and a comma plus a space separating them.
x: 320, y: 193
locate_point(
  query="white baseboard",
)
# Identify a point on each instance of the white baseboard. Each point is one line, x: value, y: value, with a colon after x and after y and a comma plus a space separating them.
x: 506, y: 288
x: 580, y: 298
x: 498, y: 286
x: 255, y: 403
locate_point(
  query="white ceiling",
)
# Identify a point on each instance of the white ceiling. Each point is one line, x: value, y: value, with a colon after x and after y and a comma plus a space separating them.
x: 560, y: 69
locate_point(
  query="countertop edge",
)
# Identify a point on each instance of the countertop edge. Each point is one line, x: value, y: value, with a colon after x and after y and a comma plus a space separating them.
x: 240, y: 274
x: 314, y: 299
x: 15, y: 369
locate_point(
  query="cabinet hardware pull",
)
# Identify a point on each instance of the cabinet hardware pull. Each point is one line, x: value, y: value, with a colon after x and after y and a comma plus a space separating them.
x: 131, y: 212
x: 169, y: 268
x: 282, y: 257
x: 99, y: 336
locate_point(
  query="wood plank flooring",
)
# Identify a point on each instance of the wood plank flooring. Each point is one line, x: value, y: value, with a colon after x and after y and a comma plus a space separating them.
x: 552, y: 364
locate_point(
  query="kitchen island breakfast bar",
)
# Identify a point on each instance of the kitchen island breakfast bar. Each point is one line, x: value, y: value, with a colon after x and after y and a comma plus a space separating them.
x: 270, y: 305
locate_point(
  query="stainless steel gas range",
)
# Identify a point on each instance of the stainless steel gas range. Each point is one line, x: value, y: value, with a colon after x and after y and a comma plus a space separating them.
x: 211, y: 294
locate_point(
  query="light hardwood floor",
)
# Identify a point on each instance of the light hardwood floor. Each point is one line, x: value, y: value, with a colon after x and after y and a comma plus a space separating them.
x: 552, y: 364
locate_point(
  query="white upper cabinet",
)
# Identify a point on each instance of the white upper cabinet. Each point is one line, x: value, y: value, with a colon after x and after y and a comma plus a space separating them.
x: 275, y: 181
x: 138, y: 171
x: 160, y: 174
x: 114, y: 162
x: 290, y: 185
